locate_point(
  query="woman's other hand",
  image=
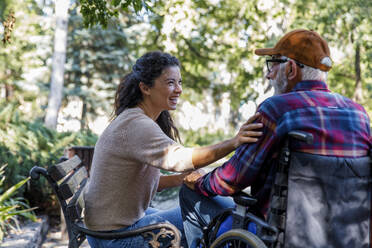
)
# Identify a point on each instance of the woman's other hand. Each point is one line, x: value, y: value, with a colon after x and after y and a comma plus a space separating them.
x: 246, y: 133
x: 191, y: 179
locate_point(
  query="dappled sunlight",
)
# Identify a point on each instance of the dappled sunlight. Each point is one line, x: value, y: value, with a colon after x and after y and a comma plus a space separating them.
x: 247, y: 110
x: 191, y: 117
x: 70, y: 115
x: 99, y: 124
x: 205, y: 114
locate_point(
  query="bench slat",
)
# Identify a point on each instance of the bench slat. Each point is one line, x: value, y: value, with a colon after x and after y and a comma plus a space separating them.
x: 72, y: 183
x: 76, y: 205
x: 59, y: 171
x: 85, y: 153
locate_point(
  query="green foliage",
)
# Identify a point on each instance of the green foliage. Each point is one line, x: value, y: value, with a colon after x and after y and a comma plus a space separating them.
x: 96, y: 61
x: 28, y: 51
x: 100, y: 11
x: 25, y: 143
x: 214, y: 41
x: 11, y: 208
x: 202, y: 137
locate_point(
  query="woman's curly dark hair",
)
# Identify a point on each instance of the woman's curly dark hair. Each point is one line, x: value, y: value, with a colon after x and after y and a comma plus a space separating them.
x: 146, y: 70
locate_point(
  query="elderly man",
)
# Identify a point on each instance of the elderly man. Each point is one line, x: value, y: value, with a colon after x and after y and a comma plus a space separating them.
x: 297, y: 69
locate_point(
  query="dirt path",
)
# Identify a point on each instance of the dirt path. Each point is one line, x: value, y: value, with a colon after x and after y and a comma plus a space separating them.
x: 53, y: 240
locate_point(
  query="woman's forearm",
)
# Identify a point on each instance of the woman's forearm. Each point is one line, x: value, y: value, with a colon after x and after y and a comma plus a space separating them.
x: 206, y: 155
x: 203, y: 156
x: 169, y: 181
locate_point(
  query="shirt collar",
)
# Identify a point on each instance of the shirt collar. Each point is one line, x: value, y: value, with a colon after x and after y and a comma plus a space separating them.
x: 311, y: 85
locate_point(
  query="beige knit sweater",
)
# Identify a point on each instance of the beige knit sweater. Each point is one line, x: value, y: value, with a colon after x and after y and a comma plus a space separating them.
x: 125, y: 170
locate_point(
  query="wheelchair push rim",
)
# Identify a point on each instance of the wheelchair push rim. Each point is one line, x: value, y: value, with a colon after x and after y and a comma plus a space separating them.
x: 238, y: 238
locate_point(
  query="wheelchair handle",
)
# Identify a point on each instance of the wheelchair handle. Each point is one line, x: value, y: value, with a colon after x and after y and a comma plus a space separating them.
x: 244, y: 199
x: 36, y: 171
x: 303, y: 136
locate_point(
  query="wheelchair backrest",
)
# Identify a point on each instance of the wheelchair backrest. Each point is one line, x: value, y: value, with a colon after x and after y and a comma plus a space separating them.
x: 329, y: 201
x: 321, y: 201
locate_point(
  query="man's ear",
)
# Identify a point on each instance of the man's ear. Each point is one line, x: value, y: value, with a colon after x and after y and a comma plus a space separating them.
x: 292, y: 70
x: 144, y: 88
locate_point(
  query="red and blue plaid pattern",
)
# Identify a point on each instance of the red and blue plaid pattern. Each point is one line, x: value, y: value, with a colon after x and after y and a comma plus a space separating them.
x: 340, y: 128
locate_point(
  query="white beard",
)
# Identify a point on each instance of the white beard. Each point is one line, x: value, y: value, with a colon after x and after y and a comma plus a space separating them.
x: 280, y: 82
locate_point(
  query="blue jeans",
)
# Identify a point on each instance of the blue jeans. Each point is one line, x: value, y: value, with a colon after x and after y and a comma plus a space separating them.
x: 152, y: 216
x: 198, y: 210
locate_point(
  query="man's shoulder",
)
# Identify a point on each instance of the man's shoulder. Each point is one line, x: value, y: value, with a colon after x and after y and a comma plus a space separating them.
x: 283, y: 103
x: 277, y: 103
x: 275, y: 99
x: 348, y: 104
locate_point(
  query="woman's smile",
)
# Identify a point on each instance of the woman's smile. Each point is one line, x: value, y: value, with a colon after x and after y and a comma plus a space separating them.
x: 174, y: 100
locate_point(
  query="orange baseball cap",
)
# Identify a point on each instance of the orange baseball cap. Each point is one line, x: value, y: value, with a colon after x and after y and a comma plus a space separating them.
x: 304, y: 46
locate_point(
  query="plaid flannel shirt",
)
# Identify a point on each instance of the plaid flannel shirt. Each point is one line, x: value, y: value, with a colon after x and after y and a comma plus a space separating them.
x: 340, y: 128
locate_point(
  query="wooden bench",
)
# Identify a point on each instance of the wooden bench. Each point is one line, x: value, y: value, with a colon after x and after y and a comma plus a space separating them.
x: 68, y: 179
x: 85, y: 153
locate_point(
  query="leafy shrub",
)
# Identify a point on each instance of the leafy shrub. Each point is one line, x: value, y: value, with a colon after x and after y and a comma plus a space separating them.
x: 25, y: 143
x: 12, y: 207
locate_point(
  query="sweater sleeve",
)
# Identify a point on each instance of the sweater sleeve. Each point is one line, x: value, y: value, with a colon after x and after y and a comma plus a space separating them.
x: 150, y: 145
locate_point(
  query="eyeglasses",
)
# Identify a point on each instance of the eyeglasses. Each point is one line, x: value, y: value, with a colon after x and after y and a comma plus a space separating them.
x: 271, y: 63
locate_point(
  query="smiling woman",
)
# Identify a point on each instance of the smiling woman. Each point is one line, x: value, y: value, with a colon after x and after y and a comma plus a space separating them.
x: 141, y: 140
x: 164, y: 94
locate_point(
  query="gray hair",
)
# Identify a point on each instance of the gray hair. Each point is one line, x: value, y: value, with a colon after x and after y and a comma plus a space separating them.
x: 310, y: 73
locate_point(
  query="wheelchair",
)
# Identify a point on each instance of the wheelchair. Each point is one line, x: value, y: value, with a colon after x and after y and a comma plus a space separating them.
x: 294, y: 203
x: 248, y: 229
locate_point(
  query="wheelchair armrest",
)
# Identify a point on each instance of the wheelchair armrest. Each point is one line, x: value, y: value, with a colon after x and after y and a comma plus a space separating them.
x: 244, y: 199
x: 303, y: 136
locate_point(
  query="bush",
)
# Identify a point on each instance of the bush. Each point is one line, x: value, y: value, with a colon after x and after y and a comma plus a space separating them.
x: 25, y: 143
x: 12, y: 208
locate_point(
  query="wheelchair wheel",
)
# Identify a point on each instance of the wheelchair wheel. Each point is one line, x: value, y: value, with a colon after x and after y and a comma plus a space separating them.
x: 238, y: 238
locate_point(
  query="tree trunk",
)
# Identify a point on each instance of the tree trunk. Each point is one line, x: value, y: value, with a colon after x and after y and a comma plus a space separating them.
x: 9, y: 92
x: 58, y: 64
x: 358, y: 93
x: 83, y: 122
